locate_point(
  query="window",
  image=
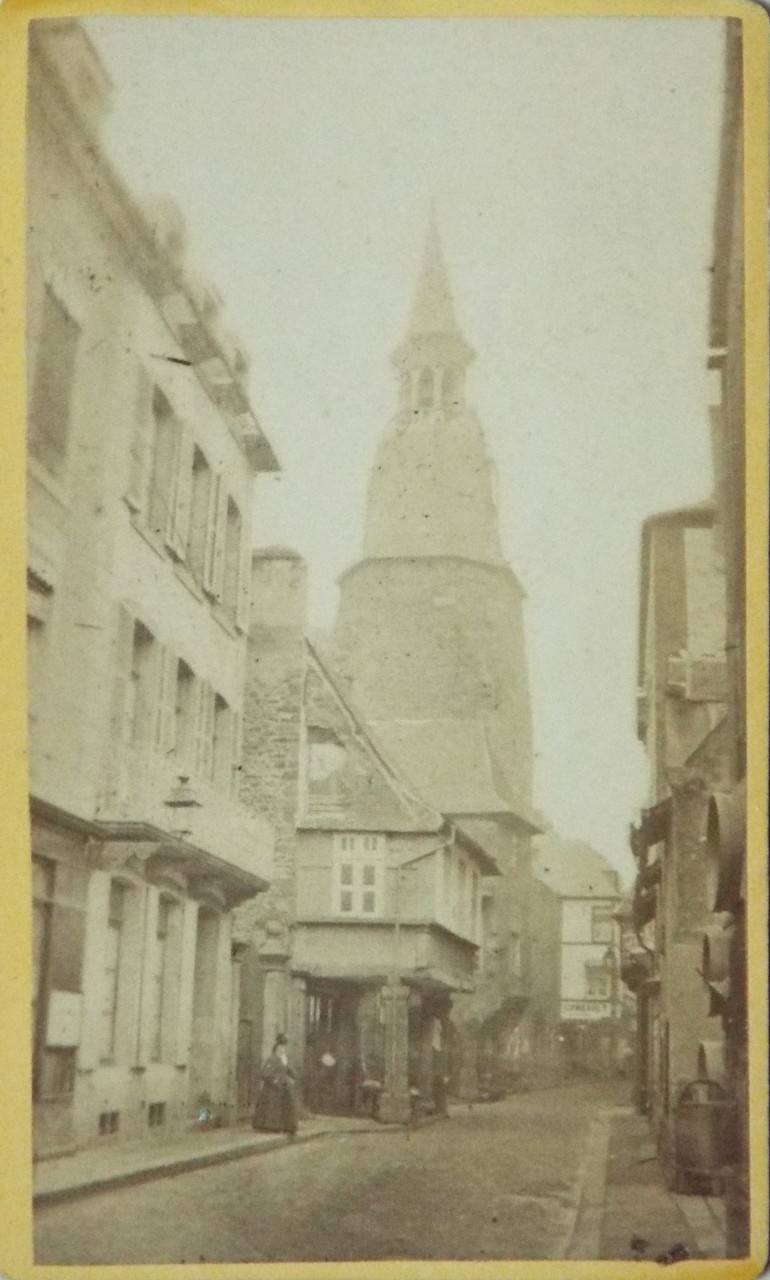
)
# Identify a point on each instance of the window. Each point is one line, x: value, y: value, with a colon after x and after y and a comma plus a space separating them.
x: 198, y: 530
x: 597, y: 982
x: 141, y: 696
x: 425, y: 389
x: 111, y: 957
x: 159, y: 978
x: 109, y: 1122
x: 358, y: 878
x: 51, y: 393
x: 602, y: 924
x: 232, y: 559
x: 156, y: 1114
x: 184, y: 712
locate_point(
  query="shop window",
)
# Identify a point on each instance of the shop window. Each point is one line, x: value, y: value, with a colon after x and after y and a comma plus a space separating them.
x: 52, y: 384
x: 602, y: 927
x: 359, y: 874
x: 597, y: 982
x: 111, y: 964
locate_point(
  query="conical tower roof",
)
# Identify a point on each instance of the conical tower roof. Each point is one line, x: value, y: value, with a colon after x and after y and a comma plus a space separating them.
x: 433, y: 333
x: 433, y: 309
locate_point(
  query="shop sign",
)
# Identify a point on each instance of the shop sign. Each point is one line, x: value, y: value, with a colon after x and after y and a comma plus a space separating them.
x: 584, y: 1010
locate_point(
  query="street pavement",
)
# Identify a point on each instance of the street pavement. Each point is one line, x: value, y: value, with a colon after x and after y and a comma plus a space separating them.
x: 496, y: 1180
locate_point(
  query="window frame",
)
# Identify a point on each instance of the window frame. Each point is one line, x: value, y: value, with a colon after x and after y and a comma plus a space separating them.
x: 358, y: 875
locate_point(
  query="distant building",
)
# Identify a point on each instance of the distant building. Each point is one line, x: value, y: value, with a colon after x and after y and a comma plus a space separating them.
x: 374, y: 918
x: 430, y: 640
x: 593, y: 1030
x: 142, y: 456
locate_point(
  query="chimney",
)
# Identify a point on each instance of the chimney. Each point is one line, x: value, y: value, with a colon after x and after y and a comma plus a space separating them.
x: 278, y: 589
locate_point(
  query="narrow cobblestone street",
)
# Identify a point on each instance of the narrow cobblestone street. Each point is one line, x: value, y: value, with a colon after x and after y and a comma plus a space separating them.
x: 499, y: 1180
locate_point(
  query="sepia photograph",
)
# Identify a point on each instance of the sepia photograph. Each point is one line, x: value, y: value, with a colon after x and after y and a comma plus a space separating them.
x: 388, y: 709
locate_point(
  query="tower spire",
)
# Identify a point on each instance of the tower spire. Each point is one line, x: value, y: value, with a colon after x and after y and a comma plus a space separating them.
x: 433, y: 309
x: 434, y: 343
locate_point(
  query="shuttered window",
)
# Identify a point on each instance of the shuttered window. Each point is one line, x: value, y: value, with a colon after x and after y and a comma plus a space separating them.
x: 162, y: 495
x: 52, y: 384
x: 200, y: 514
x: 232, y: 560
x: 222, y: 744
x: 184, y: 734
x: 141, y: 708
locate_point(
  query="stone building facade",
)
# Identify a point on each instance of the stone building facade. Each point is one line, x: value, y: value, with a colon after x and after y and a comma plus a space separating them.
x: 430, y: 638
x: 142, y: 457
x: 682, y: 723
x: 373, y: 921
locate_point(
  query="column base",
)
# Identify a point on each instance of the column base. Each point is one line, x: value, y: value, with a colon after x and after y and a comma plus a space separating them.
x: 394, y: 1108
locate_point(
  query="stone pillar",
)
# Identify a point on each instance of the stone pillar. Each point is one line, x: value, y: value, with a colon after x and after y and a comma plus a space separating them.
x: 441, y: 1058
x: 394, y: 1099
x: 296, y: 1031
x: 426, y: 1052
x: 236, y: 949
x: 468, y: 1048
x: 275, y: 1007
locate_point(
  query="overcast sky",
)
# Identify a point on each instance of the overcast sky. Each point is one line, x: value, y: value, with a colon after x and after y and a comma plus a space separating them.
x: 573, y: 163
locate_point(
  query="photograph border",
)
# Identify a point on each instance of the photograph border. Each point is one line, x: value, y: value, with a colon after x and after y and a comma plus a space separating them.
x: 15, y: 933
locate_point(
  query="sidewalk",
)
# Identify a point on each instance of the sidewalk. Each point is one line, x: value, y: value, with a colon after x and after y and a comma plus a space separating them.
x: 626, y: 1211
x: 103, y: 1168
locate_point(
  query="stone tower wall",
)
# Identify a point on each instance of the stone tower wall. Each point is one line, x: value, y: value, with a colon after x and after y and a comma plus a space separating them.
x: 440, y: 638
x: 431, y: 491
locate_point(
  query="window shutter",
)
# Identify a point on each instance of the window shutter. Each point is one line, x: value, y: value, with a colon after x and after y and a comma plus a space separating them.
x: 235, y: 771
x: 174, y: 542
x: 243, y: 594
x: 165, y: 729
x: 119, y: 733
x: 181, y: 523
x: 218, y: 540
x: 205, y: 734
x: 141, y: 439
x: 213, y: 536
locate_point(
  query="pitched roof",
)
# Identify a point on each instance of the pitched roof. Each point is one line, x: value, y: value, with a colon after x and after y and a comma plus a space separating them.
x: 451, y: 764
x: 364, y: 790
x: 573, y: 869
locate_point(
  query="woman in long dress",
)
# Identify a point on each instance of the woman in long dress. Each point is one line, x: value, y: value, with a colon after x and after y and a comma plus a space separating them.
x: 276, y: 1109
